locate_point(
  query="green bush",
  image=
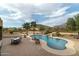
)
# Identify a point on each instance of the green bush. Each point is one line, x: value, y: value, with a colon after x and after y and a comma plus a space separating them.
x: 11, y: 32
x: 58, y: 33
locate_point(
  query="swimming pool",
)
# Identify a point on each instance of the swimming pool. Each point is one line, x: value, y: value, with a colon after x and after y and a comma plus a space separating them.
x: 55, y: 43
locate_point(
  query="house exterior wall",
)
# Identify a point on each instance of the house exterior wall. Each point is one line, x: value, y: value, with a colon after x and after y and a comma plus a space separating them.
x: 1, y: 24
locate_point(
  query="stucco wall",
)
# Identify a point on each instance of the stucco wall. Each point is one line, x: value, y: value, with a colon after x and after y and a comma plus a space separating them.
x: 1, y: 29
x: 1, y: 23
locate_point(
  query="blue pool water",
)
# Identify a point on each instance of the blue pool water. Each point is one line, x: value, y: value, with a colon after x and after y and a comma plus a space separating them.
x: 55, y: 43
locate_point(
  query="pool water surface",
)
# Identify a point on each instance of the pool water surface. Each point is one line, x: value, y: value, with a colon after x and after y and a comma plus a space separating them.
x: 55, y: 43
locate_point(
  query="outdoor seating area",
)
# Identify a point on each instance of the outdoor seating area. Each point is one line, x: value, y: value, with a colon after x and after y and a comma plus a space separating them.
x: 16, y: 40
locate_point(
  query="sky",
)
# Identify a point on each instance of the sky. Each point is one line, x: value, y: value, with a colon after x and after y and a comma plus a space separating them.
x: 49, y: 14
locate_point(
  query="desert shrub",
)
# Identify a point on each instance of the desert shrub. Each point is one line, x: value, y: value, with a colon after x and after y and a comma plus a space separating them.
x: 58, y: 33
x: 11, y: 32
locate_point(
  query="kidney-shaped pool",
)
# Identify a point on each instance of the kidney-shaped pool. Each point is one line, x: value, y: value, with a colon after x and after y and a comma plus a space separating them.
x: 55, y: 43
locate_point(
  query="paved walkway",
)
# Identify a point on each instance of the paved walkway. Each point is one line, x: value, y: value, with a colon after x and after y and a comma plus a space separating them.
x: 25, y: 48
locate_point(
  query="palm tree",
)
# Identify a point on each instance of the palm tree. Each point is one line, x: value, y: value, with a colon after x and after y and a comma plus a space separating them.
x: 26, y: 26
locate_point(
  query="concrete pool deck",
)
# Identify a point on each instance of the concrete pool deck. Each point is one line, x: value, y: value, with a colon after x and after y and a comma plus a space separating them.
x: 25, y: 48
x: 70, y: 50
x: 65, y: 52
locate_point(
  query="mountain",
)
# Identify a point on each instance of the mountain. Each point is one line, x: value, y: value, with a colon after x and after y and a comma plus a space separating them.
x: 60, y: 26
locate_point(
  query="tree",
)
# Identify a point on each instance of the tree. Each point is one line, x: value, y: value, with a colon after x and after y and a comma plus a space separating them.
x: 71, y: 25
x: 48, y: 31
x: 58, y: 33
x: 33, y: 26
x: 41, y: 28
x: 26, y: 26
x: 77, y: 21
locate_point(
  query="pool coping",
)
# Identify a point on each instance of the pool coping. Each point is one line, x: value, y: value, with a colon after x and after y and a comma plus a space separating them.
x: 70, y: 50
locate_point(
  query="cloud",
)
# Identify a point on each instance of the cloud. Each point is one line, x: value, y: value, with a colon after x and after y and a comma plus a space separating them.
x: 13, y: 15
x: 9, y: 12
x: 73, y: 13
x: 49, y: 14
x: 59, y: 12
x: 56, y: 17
